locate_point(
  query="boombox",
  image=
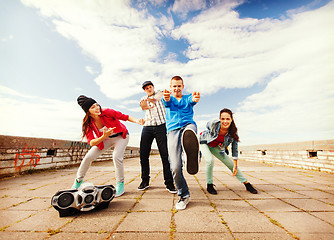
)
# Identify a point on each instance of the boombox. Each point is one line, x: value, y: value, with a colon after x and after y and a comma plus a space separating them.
x: 85, y: 198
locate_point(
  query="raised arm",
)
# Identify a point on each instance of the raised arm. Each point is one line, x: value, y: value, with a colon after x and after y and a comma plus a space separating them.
x: 135, y: 120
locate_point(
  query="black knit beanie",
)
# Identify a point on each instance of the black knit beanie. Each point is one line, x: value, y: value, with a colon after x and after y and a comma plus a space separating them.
x: 85, y: 102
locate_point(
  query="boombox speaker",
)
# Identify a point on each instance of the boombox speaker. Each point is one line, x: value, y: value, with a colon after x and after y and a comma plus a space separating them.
x: 85, y: 198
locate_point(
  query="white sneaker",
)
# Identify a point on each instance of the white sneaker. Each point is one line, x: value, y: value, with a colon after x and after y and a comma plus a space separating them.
x: 182, y: 203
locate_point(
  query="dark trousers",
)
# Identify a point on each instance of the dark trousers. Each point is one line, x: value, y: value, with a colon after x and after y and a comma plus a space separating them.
x: 148, y: 134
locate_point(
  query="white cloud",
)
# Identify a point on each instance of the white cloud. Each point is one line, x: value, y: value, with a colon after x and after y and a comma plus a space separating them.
x: 293, y: 56
x: 154, y: 3
x: 131, y: 109
x: 298, y: 104
x: 182, y: 7
x: 232, y: 52
x: 7, y: 38
x: 30, y: 116
x: 78, y: 89
x: 123, y: 40
x: 90, y: 70
x: 11, y: 92
x: 131, y: 101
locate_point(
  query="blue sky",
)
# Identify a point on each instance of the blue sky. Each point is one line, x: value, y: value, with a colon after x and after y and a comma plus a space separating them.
x: 270, y: 62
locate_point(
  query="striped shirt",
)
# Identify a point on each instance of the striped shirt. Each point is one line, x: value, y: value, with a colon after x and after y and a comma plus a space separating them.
x: 156, y: 115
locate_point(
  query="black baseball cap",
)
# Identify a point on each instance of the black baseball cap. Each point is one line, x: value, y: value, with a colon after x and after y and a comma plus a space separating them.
x: 146, y: 83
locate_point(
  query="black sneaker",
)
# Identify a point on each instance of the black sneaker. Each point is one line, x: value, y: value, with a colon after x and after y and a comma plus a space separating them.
x: 190, y: 146
x: 171, y: 188
x: 144, y: 185
x: 211, y: 189
x: 250, y: 188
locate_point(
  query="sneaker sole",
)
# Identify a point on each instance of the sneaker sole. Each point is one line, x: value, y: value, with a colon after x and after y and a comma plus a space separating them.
x: 119, y: 194
x: 171, y: 191
x: 213, y: 193
x: 74, y: 186
x: 190, y: 146
x: 142, y: 189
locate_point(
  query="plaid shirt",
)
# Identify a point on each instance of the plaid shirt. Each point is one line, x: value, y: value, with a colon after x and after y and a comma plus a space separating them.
x: 156, y: 115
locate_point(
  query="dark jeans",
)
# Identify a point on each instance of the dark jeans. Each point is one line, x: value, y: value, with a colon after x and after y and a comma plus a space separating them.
x: 148, y: 134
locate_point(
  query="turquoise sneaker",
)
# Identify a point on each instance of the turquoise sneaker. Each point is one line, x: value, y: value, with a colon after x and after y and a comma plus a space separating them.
x: 119, y: 189
x: 77, y: 184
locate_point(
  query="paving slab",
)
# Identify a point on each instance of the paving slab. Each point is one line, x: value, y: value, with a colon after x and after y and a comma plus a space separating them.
x: 269, y: 187
x: 233, y: 206
x: 288, y: 194
x: 325, y: 216
x: 317, y: 236
x: 10, y: 217
x: 146, y: 222
x: 6, y: 202
x: 246, y: 195
x: 94, y: 221
x: 154, y: 205
x: 139, y: 235
x: 79, y: 236
x: 311, y: 205
x: 198, y: 222
x: 33, y: 204
x: 203, y: 236
x: 251, y: 222
x: 316, y: 194
x: 41, y: 221
x: 121, y: 205
x: 261, y: 236
x: 23, y: 235
x: 291, y: 204
x: 301, y: 222
x: 273, y: 205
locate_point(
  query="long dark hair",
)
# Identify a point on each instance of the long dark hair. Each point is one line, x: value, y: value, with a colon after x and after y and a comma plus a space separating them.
x: 232, y: 130
x: 85, y: 123
x: 87, y: 120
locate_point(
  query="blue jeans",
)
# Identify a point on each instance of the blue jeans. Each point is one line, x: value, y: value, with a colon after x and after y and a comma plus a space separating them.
x: 175, y: 158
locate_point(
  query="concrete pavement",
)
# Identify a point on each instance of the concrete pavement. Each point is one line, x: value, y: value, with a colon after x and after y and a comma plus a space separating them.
x: 291, y: 204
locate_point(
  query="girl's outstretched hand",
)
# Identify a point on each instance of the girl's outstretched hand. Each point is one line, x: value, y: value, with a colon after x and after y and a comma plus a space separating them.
x: 141, y: 121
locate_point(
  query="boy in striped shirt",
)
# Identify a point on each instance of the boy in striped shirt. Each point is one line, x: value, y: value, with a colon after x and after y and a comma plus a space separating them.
x: 154, y: 128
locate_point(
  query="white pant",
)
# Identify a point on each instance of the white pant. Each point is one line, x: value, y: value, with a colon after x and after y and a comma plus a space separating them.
x: 119, y: 144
